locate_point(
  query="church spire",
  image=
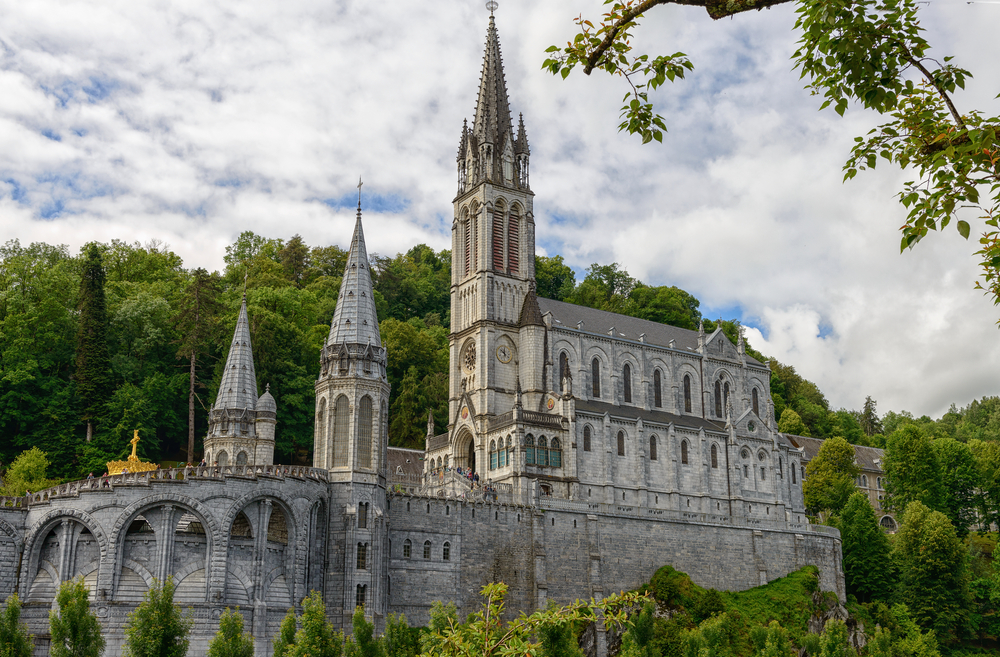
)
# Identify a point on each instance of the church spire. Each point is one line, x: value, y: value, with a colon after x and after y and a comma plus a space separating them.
x: 355, y: 320
x: 492, y: 119
x: 238, y: 389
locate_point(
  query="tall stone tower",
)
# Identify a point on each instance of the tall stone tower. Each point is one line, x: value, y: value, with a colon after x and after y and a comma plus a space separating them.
x: 241, y: 425
x: 493, y: 264
x: 352, y: 405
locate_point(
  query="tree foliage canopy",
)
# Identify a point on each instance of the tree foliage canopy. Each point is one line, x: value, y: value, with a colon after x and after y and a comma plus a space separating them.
x: 74, y: 627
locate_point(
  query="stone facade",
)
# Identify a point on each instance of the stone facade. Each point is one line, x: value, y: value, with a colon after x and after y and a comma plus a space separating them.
x: 606, y: 446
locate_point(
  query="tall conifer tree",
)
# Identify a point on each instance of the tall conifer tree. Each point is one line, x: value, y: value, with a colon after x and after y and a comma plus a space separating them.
x: 867, y: 562
x: 94, y: 382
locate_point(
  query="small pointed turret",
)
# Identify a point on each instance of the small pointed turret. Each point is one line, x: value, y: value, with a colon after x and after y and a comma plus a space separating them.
x: 521, y: 144
x: 239, y: 380
x: 430, y: 424
x: 355, y: 320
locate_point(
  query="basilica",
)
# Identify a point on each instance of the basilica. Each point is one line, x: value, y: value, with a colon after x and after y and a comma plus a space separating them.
x: 602, y: 447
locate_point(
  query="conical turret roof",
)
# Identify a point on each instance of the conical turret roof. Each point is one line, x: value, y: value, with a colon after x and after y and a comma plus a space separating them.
x: 355, y: 320
x: 492, y: 120
x: 239, y: 380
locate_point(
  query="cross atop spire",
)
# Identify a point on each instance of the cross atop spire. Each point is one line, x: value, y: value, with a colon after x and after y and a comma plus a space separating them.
x: 492, y: 6
x: 359, y: 195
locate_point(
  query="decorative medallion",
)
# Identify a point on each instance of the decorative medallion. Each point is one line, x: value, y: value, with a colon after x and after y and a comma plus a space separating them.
x: 551, y: 403
x: 469, y: 358
x: 504, y: 354
x: 465, y: 413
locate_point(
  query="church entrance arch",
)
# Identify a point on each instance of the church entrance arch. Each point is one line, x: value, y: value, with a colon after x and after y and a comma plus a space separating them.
x: 465, y: 452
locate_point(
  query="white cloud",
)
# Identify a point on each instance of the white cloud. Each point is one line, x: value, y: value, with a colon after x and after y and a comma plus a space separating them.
x: 193, y: 121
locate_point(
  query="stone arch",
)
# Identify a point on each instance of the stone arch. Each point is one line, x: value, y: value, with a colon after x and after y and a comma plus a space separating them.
x: 214, y: 560
x: 288, y: 508
x: 465, y: 450
x: 32, y: 544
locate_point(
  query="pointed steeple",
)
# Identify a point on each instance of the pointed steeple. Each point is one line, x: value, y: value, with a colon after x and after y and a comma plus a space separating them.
x: 521, y: 144
x: 239, y: 380
x: 355, y: 320
x: 492, y: 119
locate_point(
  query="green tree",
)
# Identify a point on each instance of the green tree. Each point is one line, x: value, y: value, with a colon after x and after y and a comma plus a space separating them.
x: 867, y: 563
x: 363, y: 643
x: 231, y: 640
x: 74, y: 628
x: 399, y: 640
x: 835, y: 640
x: 934, y: 581
x: 868, y: 51
x: 960, y: 483
x: 14, y: 638
x: 93, y: 363
x: 157, y: 628
x: 197, y: 324
x: 665, y: 304
x: 294, y: 258
x: 869, y: 419
x: 606, y: 287
x: 912, y: 469
x: 485, y: 633
x: 830, y: 477
x: 553, y: 278
x: 772, y: 641
x: 27, y: 474
x: 316, y: 637
x: 285, y: 641
x: 791, y: 422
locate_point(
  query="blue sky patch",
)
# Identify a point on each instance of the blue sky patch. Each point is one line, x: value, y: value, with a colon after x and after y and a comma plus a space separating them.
x: 390, y: 203
x: 51, y: 135
x: 17, y: 190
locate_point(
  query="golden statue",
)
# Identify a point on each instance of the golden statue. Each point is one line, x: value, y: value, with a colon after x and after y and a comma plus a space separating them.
x: 133, y: 464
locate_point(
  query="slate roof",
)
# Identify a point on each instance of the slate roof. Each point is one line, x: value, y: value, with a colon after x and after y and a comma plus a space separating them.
x: 238, y: 388
x: 660, y: 417
x: 531, y: 315
x: 410, y: 460
x: 865, y: 457
x: 492, y: 118
x: 568, y: 315
x: 355, y: 320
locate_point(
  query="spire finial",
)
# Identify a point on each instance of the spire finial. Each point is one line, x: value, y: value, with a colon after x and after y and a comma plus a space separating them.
x: 492, y: 6
x: 359, y: 195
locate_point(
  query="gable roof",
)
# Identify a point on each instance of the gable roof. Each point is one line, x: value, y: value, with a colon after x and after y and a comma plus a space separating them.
x: 568, y: 315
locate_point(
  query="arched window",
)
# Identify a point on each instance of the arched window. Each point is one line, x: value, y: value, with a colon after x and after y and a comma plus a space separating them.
x: 363, y: 515
x: 715, y: 456
x: 586, y: 438
x: 595, y: 375
x: 781, y: 468
x: 725, y: 395
x: 468, y: 246
x: 321, y: 436
x: 241, y: 458
x: 888, y: 523
x: 763, y: 474
x: 718, y: 399
x: 687, y: 393
x: 340, y: 427
x: 407, y: 547
x: 529, y: 449
x: 493, y: 455
x: 627, y: 383
x: 555, y: 454
x: 684, y: 452
x: 222, y: 458
x: 864, y: 481
x: 446, y: 552
x: 498, y: 239
x: 365, y: 432
x: 756, y: 406
x: 563, y: 370
x: 652, y: 448
x: 793, y: 473
x: 513, y: 242
x: 621, y: 443
x: 362, y: 556
x: 427, y: 549
x: 542, y: 453
x: 502, y: 454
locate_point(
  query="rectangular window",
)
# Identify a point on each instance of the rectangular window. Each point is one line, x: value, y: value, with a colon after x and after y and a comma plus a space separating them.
x: 362, y: 556
x: 555, y: 458
x: 529, y: 455
x: 359, y: 598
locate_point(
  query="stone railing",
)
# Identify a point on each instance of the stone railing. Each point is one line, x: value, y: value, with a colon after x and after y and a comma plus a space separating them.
x: 437, y: 442
x: 10, y: 501
x: 74, y: 488
x: 501, y: 420
x: 543, y: 419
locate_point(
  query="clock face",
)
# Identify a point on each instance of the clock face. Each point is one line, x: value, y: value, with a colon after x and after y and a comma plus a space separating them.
x: 503, y: 353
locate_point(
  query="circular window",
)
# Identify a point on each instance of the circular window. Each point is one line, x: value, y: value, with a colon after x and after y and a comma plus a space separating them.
x: 745, y: 453
x: 469, y: 358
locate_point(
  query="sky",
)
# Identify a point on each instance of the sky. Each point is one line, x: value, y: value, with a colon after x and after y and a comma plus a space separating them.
x: 191, y: 121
